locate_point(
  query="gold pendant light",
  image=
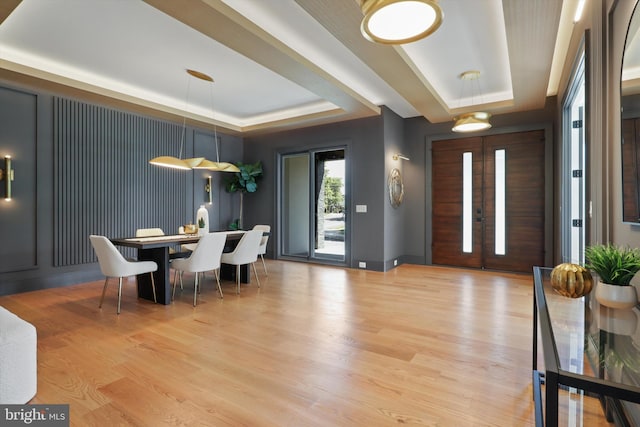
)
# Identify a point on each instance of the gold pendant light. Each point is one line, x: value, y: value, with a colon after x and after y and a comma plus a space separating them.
x: 195, y: 162
x: 474, y: 121
x: 399, y: 21
x: 203, y: 163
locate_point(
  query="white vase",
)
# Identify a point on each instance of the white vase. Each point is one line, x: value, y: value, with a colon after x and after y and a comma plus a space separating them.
x: 202, y: 213
x: 616, y: 296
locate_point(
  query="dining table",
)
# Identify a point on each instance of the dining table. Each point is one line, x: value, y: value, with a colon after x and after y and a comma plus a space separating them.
x: 156, y: 248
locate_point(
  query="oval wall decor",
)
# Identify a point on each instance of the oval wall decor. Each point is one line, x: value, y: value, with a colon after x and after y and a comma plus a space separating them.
x: 396, y: 187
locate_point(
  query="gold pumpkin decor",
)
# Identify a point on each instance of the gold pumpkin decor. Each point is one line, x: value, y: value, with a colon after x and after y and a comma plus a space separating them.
x: 571, y: 280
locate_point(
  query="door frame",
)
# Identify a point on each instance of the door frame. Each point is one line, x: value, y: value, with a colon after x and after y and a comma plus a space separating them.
x: 549, y: 224
x: 579, y: 73
x: 310, y: 152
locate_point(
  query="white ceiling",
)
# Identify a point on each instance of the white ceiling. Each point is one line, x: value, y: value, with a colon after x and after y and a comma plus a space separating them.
x: 284, y: 63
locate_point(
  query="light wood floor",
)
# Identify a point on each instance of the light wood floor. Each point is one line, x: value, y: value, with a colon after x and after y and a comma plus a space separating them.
x: 314, y: 346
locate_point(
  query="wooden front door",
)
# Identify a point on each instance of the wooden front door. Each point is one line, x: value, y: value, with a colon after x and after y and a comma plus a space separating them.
x: 488, y: 201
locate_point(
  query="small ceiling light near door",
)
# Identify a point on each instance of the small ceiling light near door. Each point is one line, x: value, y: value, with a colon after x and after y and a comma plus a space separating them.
x: 474, y: 121
x: 399, y: 21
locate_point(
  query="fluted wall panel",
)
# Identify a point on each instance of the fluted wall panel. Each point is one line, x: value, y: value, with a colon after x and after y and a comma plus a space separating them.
x: 103, y: 183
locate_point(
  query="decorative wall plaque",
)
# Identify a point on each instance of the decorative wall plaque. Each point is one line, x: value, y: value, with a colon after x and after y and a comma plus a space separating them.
x: 396, y: 187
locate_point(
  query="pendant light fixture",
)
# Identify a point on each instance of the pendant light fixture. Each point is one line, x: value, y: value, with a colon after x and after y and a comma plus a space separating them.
x: 178, y: 162
x: 399, y: 21
x: 474, y: 121
x: 203, y: 163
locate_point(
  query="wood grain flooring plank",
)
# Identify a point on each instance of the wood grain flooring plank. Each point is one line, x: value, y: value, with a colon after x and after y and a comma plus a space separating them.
x: 313, y: 346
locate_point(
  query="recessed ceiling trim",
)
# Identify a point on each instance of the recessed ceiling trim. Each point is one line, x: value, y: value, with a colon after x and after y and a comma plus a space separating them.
x: 220, y: 22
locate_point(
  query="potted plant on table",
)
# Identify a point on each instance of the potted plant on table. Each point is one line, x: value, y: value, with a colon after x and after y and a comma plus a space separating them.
x: 615, y: 266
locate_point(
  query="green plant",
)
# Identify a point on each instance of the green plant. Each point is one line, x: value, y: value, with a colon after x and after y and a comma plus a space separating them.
x: 615, y: 265
x: 245, y: 181
x: 201, y: 223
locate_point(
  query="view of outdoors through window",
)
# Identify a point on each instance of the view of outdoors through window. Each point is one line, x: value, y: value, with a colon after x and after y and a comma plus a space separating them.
x: 331, y: 214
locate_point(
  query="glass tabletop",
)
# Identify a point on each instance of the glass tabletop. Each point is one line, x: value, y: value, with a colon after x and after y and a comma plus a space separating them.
x: 606, y: 335
x: 595, y: 341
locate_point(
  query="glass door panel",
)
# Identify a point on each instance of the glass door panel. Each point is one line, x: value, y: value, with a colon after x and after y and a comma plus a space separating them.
x: 330, y: 212
x: 295, y: 205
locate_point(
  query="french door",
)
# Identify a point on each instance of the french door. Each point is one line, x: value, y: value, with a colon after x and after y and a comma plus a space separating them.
x: 313, y: 219
x: 489, y: 202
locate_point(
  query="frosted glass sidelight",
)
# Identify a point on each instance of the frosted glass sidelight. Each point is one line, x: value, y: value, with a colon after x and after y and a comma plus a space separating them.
x: 500, y: 248
x: 467, y: 208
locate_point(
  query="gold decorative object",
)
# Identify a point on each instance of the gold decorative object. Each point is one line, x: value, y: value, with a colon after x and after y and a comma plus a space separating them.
x: 474, y: 121
x: 195, y: 162
x: 571, y: 280
x: 396, y: 187
x: 190, y: 229
x: 7, y: 174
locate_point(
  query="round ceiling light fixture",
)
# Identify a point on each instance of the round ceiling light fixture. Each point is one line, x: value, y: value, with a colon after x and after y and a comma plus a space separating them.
x: 474, y: 121
x: 399, y: 21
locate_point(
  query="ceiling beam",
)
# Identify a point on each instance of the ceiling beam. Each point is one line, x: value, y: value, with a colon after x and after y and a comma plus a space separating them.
x: 527, y: 21
x: 220, y: 22
x: 342, y: 19
x: 7, y: 7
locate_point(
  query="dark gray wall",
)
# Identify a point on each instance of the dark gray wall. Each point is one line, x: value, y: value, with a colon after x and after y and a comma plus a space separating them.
x: 82, y: 169
x: 394, y: 218
x: 18, y: 217
x: 91, y: 176
x: 366, y: 177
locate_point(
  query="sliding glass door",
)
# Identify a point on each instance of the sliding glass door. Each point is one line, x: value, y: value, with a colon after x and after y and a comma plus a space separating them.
x: 295, y: 205
x: 313, y: 205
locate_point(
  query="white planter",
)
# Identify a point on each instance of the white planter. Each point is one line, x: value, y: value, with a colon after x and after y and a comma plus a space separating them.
x: 619, y: 321
x: 202, y: 214
x: 615, y: 296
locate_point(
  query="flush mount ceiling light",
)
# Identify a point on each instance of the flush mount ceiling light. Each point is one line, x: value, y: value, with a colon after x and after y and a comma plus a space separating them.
x: 474, y: 121
x: 399, y: 21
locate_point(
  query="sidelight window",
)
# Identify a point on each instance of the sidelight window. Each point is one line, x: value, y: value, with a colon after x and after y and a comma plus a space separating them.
x: 467, y: 200
x: 500, y: 238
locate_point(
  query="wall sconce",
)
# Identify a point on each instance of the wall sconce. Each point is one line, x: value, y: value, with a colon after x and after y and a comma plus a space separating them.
x: 399, y: 156
x: 7, y: 175
x: 207, y: 189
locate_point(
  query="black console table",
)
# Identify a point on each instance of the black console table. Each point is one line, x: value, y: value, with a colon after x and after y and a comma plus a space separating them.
x: 585, y: 347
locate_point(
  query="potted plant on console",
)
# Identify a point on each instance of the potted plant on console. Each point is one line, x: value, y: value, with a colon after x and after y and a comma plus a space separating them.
x: 615, y: 266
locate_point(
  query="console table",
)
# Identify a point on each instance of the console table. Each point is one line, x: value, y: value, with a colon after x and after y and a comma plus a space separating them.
x: 585, y: 347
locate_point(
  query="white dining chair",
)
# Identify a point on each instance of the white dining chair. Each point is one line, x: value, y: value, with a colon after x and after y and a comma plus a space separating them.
x: 204, y: 257
x: 246, y: 252
x: 149, y: 232
x: 113, y: 264
x: 262, y: 249
x: 156, y: 232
